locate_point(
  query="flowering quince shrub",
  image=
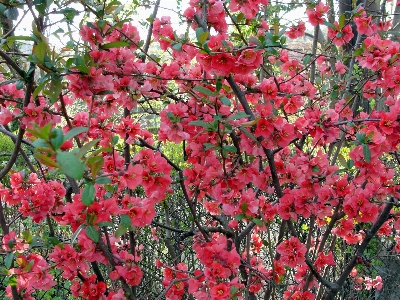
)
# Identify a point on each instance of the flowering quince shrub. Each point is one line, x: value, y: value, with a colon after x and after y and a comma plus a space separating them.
x: 267, y: 175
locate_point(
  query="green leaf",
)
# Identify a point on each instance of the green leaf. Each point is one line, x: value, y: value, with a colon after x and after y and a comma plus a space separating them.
x: 218, y: 84
x: 40, y: 143
x: 177, y: 46
x: 342, y: 160
x: 199, y: 123
x: 20, y: 84
x: 203, y: 37
x: 102, y: 180
x: 339, y: 171
x: 126, y: 221
x: 240, y: 17
x: 257, y: 222
x: 334, y: 95
x: 244, y: 207
x: 367, y: 153
x: 199, y: 32
x: 95, y: 163
x: 239, y: 115
x: 38, y: 89
x: 105, y: 92
x: 45, y: 131
x: 342, y: 21
x: 56, y: 138
x: 248, y: 134
x: 88, y: 194
x: 119, y: 24
x: 121, y: 230
x: 8, y: 260
x: 225, y: 101
x: 70, y: 165
x: 350, y: 163
x: 11, y: 13
x: 203, y: 90
x: 115, y: 139
x: 240, y: 217
x: 21, y: 38
x: 316, y: 169
x: 11, y: 281
x: 101, y: 150
x: 27, y: 236
x: 117, y: 44
x: 360, y: 138
x: 41, y: 5
x: 74, y: 132
x: 229, y: 148
x: 92, y: 233
x: 105, y: 224
x: 46, y: 160
x: 3, y: 271
x: 40, y: 50
x: 257, y: 42
x: 207, y: 49
x: 69, y: 13
x: 358, y: 51
x: 307, y: 59
x: 85, y: 148
x: 83, y: 69
x: 53, y: 241
x: 326, y: 23
x: 208, y: 146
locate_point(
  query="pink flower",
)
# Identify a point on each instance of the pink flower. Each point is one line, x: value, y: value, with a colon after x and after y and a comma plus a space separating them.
x: 317, y: 16
x: 133, y: 176
x: 296, y: 31
x: 365, y: 25
x: 220, y: 291
x: 340, y: 67
x: 375, y: 283
x: 292, y: 252
x: 340, y: 36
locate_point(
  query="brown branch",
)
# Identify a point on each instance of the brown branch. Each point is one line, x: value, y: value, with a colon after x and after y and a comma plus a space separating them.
x: 241, y: 96
x: 18, y: 141
x: 12, y: 64
x: 149, y: 31
x: 110, y: 258
x: 360, y: 251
